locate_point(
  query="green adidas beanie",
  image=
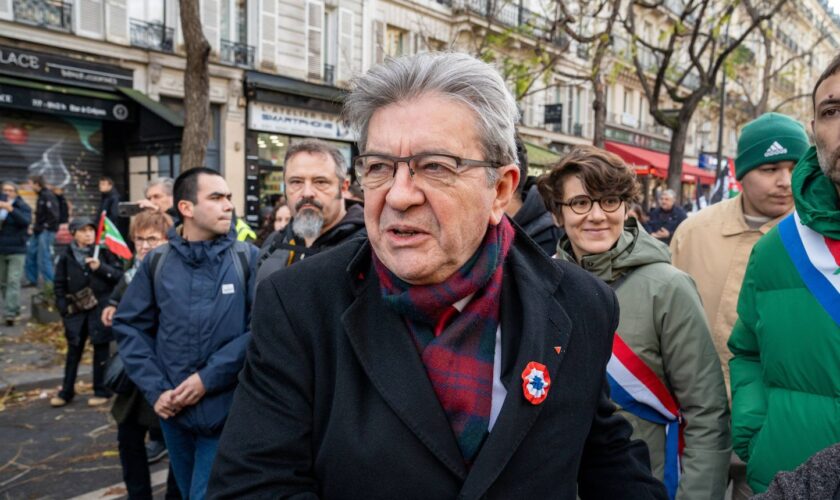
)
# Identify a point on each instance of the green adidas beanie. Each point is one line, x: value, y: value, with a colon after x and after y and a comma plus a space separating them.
x: 770, y: 138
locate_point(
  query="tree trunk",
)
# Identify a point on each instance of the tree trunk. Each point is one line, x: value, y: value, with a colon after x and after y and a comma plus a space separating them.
x: 600, y: 108
x: 676, y: 153
x: 196, y: 88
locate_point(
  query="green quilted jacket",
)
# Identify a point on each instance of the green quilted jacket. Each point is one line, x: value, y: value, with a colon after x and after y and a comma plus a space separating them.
x: 786, y: 365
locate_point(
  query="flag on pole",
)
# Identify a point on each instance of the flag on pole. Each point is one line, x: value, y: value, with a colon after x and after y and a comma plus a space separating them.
x: 107, y: 234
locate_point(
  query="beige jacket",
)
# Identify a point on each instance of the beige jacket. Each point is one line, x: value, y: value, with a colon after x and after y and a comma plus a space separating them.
x: 714, y: 247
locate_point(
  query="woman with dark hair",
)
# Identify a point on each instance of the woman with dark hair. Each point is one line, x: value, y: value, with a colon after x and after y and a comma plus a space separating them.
x: 664, y: 372
x: 276, y: 220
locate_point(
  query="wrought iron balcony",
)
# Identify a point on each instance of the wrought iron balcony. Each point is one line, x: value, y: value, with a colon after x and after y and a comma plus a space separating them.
x: 50, y: 14
x: 511, y: 15
x: 154, y: 36
x: 329, y: 74
x: 237, y: 54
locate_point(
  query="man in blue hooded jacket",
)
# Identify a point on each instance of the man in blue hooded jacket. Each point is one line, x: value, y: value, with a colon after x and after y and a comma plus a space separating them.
x: 184, y: 323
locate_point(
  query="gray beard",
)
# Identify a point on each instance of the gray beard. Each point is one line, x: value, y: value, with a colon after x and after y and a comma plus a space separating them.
x: 828, y: 164
x: 307, y: 224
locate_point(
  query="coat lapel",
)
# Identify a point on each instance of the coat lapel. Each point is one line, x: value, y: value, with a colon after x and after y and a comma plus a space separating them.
x: 387, y: 353
x: 545, y: 326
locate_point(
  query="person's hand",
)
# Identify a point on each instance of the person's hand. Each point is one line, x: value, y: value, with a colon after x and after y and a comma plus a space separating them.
x: 148, y: 205
x: 7, y: 206
x: 108, y: 315
x: 92, y: 263
x: 189, y: 392
x: 165, y: 407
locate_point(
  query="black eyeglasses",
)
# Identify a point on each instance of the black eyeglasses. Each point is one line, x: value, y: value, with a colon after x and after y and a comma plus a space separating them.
x: 375, y: 171
x: 582, y: 204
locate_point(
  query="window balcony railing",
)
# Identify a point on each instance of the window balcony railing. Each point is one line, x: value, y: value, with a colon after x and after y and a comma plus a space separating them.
x: 50, y: 14
x: 510, y: 14
x: 329, y: 74
x: 237, y: 54
x: 154, y: 36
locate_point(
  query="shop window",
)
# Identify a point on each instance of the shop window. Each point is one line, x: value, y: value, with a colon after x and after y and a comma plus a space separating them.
x: 271, y: 153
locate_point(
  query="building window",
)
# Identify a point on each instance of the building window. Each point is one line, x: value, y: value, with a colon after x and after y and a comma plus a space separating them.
x: 396, y: 42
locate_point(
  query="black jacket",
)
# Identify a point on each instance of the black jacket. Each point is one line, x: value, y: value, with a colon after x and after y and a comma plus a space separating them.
x: 334, y: 401
x: 14, y: 230
x: 71, y: 277
x: 280, y: 249
x: 47, y: 213
x: 537, y: 223
x: 669, y: 220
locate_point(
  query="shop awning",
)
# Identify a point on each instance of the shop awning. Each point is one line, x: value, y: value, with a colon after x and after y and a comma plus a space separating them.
x: 153, y: 106
x: 539, y: 156
x: 156, y: 123
x: 655, y: 164
x: 285, y: 85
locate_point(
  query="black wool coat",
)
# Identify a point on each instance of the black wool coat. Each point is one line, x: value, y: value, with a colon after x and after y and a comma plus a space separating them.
x: 71, y: 277
x: 334, y: 401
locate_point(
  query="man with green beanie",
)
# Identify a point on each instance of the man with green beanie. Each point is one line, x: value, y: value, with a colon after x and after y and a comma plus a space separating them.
x: 714, y: 245
x: 786, y: 342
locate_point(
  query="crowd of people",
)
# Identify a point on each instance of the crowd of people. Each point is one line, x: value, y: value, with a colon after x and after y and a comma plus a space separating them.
x: 465, y: 329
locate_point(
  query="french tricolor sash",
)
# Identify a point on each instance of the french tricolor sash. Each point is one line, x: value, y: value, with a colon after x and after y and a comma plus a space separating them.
x: 817, y: 259
x: 637, y: 389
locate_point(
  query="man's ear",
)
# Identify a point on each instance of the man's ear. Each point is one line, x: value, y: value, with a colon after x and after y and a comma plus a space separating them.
x: 185, y: 208
x: 343, y: 188
x: 505, y: 188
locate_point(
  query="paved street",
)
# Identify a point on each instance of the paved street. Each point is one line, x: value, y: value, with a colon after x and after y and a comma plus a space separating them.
x: 59, y: 453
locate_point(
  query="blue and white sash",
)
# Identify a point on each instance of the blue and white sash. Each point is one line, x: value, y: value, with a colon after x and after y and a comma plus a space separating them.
x: 817, y: 259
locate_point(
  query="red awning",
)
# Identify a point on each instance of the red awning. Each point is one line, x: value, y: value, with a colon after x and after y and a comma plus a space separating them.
x: 654, y: 163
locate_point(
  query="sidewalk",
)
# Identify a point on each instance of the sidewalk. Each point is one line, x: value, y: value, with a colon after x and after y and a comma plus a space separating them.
x: 30, y: 354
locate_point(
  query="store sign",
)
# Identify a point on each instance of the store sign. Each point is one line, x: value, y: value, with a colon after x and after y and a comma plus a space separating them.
x: 42, y: 66
x: 63, y: 104
x: 297, y: 121
x: 636, y: 139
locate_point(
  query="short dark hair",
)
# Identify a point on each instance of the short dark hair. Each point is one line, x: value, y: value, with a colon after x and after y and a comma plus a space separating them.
x: 833, y: 67
x: 314, y: 146
x: 107, y: 179
x: 186, y: 185
x: 38, y: 179
x: 522, y: 158
x: 600, y: 172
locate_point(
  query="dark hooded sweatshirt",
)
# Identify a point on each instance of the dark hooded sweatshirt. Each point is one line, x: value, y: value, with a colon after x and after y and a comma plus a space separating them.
x: 281, y: 249
x: 537, y: 222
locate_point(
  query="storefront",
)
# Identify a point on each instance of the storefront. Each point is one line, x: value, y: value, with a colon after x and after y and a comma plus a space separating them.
x: 652, y: 169
x: 283, y: 111
x: 72, y: 122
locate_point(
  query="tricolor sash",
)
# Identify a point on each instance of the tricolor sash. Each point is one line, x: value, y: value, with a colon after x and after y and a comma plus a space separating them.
x: 817, y: 259
x: 637, y: 389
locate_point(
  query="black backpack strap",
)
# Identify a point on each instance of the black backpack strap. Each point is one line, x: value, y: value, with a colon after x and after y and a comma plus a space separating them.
x: 242, y: 261
x: 156, y: 262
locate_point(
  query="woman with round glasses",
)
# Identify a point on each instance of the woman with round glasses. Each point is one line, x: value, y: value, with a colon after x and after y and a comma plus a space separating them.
x: 664, y: 373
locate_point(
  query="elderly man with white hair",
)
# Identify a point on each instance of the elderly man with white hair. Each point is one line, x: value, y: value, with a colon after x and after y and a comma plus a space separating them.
x: 445, y: 355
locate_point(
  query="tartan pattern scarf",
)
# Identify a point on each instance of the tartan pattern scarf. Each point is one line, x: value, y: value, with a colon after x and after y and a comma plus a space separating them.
x: 457, y: 349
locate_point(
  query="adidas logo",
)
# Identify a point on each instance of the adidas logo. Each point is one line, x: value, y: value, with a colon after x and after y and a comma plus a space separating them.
x: 775, y: 149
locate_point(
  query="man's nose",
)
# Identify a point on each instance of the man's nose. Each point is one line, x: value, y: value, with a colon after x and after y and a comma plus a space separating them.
x: 784, y: 177
x: 403, y: 193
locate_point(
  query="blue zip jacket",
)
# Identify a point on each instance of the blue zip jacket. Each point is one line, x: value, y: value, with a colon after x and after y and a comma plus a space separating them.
x: 194, y: 318
x: 14, y: 230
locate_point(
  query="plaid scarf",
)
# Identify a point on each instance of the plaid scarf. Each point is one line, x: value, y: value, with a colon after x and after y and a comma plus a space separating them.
x: 457, y: 349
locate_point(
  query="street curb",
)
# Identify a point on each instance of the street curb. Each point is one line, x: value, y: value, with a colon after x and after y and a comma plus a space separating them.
x: 47, y: 381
